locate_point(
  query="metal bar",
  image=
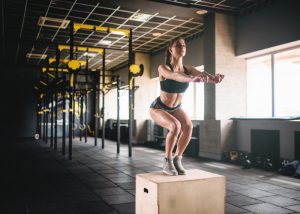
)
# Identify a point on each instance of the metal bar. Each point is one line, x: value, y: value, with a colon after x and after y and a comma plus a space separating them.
x: 64, y: 115
x: 47, y: 104
x: 81, y: 48
x: 52, y: 128
x: 44, y: 119
x: 86, y: 99
x: 103, y: 100
x: 273, y: 86
x: 37, y: 110
x: 130, y: 92
x: 71, y: 95
x: 85, y: 117
x: 74, y: 104
x: 81, y: 116
x: 40, y: 118
x: 78, y: 26
x: 47, y: 114
x: 118, y: 114
x: 96, y: 104
x: 55, y: 97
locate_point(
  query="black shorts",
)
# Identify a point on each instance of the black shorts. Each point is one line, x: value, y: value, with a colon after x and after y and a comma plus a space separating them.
x: 158, y: 104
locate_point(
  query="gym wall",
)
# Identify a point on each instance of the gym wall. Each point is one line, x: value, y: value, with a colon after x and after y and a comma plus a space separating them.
x: 275, y: 25
x: 286, y: 130
x: 17, y: 103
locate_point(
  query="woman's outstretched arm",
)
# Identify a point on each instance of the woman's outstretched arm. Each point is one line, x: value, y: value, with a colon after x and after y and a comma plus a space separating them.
x: 205, y: 75
x: 166, y: 72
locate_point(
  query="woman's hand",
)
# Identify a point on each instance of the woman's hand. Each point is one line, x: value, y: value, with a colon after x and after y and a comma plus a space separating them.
x: 208, y: 79
x: 219, y: 78
x: 199, y: 78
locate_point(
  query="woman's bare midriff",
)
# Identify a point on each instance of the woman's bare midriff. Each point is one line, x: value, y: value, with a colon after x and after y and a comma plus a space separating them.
x: 171, y: 99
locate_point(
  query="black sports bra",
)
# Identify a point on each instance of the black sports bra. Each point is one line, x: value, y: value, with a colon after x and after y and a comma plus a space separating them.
x: 172, y: 86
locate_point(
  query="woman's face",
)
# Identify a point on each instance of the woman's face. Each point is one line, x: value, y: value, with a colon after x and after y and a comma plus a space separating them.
x: 178, y: 49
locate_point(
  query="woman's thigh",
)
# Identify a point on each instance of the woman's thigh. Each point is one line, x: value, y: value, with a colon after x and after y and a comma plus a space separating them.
x: 164, y: 118
x: 183, y: 118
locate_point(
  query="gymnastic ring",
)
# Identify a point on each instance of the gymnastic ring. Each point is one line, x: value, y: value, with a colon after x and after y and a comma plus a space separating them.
x: 74, y: 126
x: 82, y: 127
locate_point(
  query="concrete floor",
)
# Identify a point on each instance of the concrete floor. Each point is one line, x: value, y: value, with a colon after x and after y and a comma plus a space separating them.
x: 39, y: 180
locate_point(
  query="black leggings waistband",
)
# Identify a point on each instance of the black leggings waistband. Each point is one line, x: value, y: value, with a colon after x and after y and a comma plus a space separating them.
x: 158, y: 104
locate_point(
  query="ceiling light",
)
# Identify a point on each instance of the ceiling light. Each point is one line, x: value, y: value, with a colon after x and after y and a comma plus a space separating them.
x: 105, y: 42
x: 118, y: 33
x: 156, y: 34
x: 140, y: 17
x: 36, y: 56
x: 201, y: 12
x: 90, y: 55
x: 122, y: 32
x: 53, y: 22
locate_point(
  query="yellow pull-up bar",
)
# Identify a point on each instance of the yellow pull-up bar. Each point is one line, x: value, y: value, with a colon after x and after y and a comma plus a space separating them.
x: 44, y: 69
x: 66, y: 61
x: 96, y: 50
x: 117, y: 31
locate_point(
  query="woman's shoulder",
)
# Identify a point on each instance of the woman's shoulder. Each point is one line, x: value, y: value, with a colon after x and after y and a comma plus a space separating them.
x: 188, y: 67
x: 164, y: 67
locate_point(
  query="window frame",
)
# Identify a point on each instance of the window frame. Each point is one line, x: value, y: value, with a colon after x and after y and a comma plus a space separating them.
x: 272, y: 71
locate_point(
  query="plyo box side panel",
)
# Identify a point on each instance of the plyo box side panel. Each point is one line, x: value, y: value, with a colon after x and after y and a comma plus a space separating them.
x: 146, y: 196
x: 197, y: 192
x: 193, y: 197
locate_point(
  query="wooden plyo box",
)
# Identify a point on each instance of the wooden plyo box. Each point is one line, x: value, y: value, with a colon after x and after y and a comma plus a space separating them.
x: 197, y: 192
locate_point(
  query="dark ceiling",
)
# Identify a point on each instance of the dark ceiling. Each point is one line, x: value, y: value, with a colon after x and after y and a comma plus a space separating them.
x: 21, y: 34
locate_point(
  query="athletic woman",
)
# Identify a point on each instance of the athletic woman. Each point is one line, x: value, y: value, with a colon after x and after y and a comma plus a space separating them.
x: 166, y: 109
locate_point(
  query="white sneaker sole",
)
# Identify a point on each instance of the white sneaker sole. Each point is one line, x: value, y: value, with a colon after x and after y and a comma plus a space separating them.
x: 170, y: 174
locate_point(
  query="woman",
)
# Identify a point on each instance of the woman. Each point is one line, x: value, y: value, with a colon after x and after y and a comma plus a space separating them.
x: 166, y: 109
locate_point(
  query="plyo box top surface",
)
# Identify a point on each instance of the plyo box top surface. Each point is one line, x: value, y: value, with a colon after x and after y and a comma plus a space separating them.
x: 193, y: 174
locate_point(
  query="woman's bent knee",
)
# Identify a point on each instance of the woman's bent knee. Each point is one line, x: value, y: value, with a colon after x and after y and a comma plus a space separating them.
x: 175, y: 127
x: 187, y: 128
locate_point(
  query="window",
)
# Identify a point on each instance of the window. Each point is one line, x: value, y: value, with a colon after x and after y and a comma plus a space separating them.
x: 111, y: 108
x: 273, y: 85
x: 193, y: 101
x: 259, y: 87
x: 124, y: 102
x: 287, y: 83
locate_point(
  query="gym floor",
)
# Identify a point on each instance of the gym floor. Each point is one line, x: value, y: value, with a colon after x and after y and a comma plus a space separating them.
x: 39, y: 180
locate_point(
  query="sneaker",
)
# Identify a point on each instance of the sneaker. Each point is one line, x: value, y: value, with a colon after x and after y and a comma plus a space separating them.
x: 168, y: 167
x: 178, y: 165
